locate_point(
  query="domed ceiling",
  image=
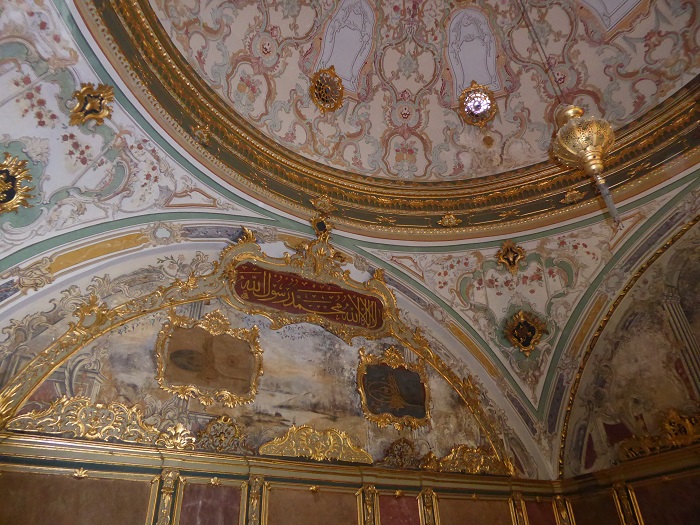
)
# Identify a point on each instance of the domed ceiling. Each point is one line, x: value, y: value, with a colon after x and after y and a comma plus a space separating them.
x: 211, y: 145
x: 396, y: 158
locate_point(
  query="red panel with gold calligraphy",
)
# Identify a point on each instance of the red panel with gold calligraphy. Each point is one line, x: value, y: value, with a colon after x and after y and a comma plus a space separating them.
x: 294, y: 294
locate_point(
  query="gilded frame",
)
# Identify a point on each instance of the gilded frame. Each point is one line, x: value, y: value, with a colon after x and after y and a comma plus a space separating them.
x: 392, y: 357
x: 216, y: 324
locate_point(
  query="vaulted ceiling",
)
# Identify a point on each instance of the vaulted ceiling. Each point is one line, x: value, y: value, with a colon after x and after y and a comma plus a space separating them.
x: 212, y: 129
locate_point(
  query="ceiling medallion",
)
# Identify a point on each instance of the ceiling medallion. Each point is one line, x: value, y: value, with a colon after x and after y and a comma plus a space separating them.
x: 525, y: 330
x: 449, y: 221
x: 477, y: 105
x: 510, y: 256
x: 92, y: 104
x: 326, y: 89
x: 13, y: 193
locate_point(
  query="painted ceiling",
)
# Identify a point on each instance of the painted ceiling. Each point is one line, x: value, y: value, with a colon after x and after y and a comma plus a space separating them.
x: 119, y: 209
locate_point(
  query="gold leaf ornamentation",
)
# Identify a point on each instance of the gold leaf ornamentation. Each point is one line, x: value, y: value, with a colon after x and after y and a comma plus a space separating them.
x: 394, y: 359
x: 677, y: 430
x: 92, y: 104
x: 176, y: 438
x: 78, y: 417
x: 449, y: 221
x: 13, y: 192
x: 510, y: 255
x: 326, y: 89
x: 80, y: 473
x: 326, y: 445
x: 323, y: 205
x: 216, y: 324
x: 572, y: 197
x: 223, y: 435
x: 467, y: 460
x: 524, y: 331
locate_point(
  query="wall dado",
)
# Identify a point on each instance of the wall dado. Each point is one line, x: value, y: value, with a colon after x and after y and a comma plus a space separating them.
x: 55, y: 481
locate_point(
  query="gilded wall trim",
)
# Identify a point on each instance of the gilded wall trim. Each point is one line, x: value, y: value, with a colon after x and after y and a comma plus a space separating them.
x: 603, y: 323
x: 677, y: 430
x: 326, y: 445
x: 131, y: 34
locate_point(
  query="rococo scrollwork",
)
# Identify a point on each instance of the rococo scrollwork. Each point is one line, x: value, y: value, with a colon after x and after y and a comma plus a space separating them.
x: 393, y: 391
x: 677, y: 430
x: 326, y: 445
x: 223, y: 353
x: 223, y: 435
x: 13, y: 192
x: 78, y: 417
x: 92, y: 104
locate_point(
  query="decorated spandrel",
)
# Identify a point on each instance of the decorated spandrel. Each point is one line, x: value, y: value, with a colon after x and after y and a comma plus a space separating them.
x: 294, y: 294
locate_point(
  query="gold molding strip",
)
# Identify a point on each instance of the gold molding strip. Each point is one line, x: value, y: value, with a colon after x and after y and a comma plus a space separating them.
x: 325, y: 445
x: 465, y: 459
x: 626, y: 504
x: 428, y: 507
x: 603, y: 323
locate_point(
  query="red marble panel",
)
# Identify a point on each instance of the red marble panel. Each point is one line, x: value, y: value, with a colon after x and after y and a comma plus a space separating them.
x: 299, y: 506
x: 670, y: 502
x: 210, y: 505
x: 474, y: 512
x: 402, y: 510
x: 40, y: 499
x: 595, y: 509
x: 540, y: 513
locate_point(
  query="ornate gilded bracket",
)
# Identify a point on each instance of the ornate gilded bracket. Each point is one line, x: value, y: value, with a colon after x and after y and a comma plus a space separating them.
x: 221, y: 343
x: 92, y: 104
x: 524, y: 331
x: 392, y: 391
x: 13, y: 192
x: 223, y: 435
x: 326, y: 445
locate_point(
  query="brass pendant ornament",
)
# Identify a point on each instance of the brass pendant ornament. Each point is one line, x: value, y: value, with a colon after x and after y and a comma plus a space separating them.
x: 326, y: 89
x: 92, y: 104
x: 477, y: 105
x: 510, y: 255
x: 13, y: 193
x: 525, y: 331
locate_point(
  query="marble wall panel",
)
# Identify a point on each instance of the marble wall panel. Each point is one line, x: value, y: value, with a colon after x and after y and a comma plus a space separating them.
x: 210, y: 505
x: 594, y: 509
x: 455, y: 511
x: 670, y: 502
x: 300, y: 506
x: 402, y: 510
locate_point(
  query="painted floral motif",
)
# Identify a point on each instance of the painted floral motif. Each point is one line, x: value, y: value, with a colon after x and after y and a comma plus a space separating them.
x: 430, y: 49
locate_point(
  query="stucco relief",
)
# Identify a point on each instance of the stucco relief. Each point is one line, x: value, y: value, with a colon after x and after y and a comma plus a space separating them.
x: 642, y: 365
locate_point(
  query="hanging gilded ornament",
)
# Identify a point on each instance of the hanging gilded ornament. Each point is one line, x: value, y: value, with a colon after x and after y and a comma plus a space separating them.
x: 583, y: 143
x: 477, y: 105
x: 326, y: 89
